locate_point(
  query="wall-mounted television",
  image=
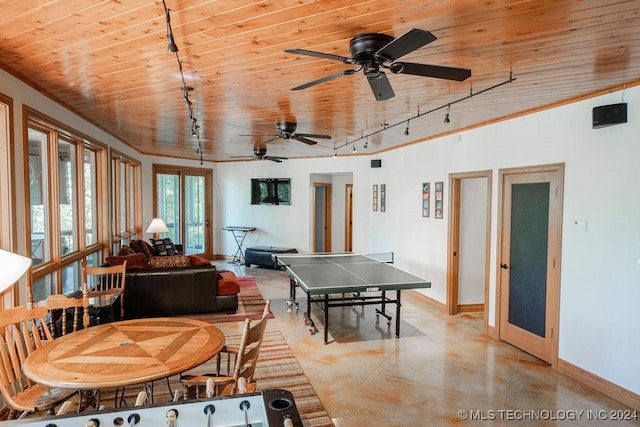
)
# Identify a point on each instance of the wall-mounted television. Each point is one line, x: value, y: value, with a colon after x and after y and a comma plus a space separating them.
x: 270, y: 191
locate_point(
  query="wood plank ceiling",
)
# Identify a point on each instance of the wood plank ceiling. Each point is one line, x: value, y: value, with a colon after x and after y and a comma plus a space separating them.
x: 108, y: 61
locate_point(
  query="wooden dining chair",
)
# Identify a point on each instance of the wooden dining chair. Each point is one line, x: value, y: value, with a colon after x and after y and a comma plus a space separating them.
x: 97, y: 281
x: 59, y: 307
x: 22, y: 331
x: 246, y: 358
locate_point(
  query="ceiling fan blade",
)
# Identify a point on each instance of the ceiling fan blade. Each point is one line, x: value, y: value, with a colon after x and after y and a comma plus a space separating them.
x: 241, y: 157
x: 275, y: 159
x: 314, y: 135
x: 408, y: 42
x: 303, y: 139
x: 320, y: 55
x: 324, y: 79
x: 436, y: 71
x: 380, y: 86
x: 273, y: 138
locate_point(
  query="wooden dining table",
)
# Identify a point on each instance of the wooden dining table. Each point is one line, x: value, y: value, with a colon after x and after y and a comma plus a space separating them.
x: 124, y: 353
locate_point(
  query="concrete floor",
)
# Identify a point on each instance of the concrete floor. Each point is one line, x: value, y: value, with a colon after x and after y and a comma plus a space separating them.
x: 441, y: 371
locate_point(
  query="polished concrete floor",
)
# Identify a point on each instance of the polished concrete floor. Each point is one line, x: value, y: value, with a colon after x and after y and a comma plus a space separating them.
x: 441, y: 371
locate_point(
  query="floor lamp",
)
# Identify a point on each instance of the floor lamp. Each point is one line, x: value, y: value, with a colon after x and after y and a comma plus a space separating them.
x: 13, y: 268
x: 156, y: 227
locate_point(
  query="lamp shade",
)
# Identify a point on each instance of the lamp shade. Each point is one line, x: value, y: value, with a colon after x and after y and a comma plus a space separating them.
x: 13, y: 268
x: 157, y: 226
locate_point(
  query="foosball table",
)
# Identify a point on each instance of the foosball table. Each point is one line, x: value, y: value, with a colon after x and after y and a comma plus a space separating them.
x: 269, y: 408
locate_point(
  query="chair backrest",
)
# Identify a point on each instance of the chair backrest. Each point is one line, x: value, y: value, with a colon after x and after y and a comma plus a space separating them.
x: 22, y: 331
x: 59, y: 306
x: 98, y: 281
x: 252, y: 335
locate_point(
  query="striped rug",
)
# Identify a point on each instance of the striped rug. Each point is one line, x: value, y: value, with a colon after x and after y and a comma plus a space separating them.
x: 277, y: 368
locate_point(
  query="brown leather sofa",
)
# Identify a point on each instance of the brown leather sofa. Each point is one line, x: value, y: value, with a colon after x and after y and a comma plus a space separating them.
x: 158, y: 292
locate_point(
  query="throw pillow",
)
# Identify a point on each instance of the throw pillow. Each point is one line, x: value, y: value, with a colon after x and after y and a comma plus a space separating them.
x: 164, y: 247
x: 126, y: 250
x: 141, y: 247
x: 198, y: 261
x: 135, y: 261
x: 169, y: 261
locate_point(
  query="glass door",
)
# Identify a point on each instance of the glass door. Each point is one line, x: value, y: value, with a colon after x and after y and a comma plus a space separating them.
x: 183, y: 201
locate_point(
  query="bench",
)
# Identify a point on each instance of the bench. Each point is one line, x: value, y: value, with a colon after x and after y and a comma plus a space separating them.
x: 262, y: 255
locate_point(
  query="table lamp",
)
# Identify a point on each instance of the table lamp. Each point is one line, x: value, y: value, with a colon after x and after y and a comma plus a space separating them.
x: 156, y: 227
x: 13, y: 268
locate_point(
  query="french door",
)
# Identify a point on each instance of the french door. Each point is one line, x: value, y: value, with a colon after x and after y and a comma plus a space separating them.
x: 182, y: 198
x: 529, y: 259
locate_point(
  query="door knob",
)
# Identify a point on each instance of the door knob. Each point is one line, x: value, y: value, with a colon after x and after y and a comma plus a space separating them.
x: 504, y: 266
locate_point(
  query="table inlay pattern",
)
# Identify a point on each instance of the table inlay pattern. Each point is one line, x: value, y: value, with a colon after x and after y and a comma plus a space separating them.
x: 123, y: 353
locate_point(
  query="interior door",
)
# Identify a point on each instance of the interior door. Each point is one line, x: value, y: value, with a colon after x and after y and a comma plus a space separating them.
x: 322, y: 217
x: 348, y: 226
x: 529, y: 261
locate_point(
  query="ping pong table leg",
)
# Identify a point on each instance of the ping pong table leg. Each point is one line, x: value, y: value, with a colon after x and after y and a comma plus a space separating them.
x: 326, y: 318
x: 398, y: 313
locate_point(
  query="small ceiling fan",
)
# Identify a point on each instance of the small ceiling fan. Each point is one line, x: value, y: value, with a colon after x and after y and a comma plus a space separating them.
x: 260, y: 153
x: 286, y: 130
x: 374, y: 51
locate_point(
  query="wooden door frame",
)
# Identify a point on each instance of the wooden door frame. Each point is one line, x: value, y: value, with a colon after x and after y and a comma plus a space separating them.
x: 348, y: 217
x: 555, y: 252
x: 327, y: 215
x: 208, y: 206
x: 454, y: 241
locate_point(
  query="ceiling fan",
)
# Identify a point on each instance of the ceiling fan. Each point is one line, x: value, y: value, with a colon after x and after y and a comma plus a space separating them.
x: 286, y: 130
x: 374, y: 51
x: 260, y: 153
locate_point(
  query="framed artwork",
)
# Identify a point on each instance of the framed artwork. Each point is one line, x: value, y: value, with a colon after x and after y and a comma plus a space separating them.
x: 383, y: 198
x: 439, y: 200
x: 375, y: 197
x: 425, y: 199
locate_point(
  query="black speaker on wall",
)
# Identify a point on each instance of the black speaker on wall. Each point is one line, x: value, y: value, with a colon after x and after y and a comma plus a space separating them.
x: 376, y: 163
x: 607, y: 115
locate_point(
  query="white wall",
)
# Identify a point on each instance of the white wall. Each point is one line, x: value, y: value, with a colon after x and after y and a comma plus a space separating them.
x: 600, y: 282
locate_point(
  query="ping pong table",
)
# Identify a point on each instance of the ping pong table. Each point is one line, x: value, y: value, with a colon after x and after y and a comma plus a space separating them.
x: 329, y: 279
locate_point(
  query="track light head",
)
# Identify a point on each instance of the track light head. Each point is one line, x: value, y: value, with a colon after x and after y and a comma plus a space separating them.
x: 446, y: 118
x: 172, y: 46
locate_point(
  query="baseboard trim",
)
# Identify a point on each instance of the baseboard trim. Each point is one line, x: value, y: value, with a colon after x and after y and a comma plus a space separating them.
x: 471, y: 308
x: 600, y: 384
x: 424, y: 298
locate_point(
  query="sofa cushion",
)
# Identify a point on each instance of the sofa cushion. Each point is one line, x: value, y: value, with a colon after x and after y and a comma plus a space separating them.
x: 135, y: 261
x: 164, y: 247
x: 126, y: 250
x: 198, y: 261
x: 169, y: 261
x: 228, y: 284
x: 142, y: 247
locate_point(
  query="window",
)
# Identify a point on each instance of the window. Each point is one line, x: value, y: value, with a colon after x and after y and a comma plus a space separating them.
x: 126, y: 184
x: 66, y: 184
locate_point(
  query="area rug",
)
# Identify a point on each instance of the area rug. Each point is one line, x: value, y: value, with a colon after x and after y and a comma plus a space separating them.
x: 250, y: 304
x: 277, y: 368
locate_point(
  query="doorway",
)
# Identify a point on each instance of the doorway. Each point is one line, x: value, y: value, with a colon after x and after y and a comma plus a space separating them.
x: 528, y: 278
x: 321, y: 217
x: 469, y: 242
x: 182, y: 198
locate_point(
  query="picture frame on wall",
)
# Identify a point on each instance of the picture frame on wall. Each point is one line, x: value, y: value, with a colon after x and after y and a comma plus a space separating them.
x: 425, y: 199
x: 375, y: 197
x: 383, y: 198
x: 439, y: 201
